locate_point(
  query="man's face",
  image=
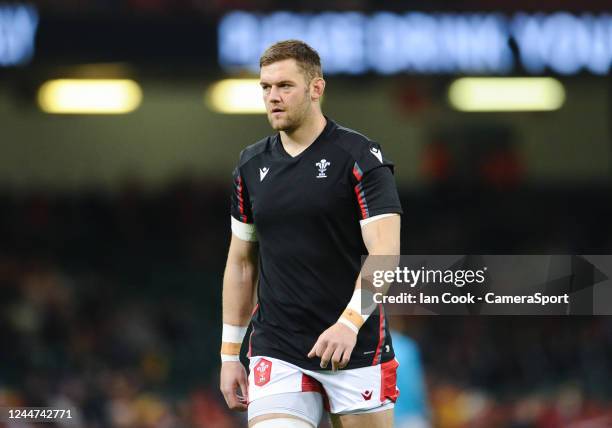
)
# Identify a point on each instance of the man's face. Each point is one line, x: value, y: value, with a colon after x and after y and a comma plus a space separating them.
x: 286, y: 94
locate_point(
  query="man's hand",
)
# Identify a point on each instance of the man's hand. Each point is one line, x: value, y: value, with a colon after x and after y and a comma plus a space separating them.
x: 335, y: 344
x: 233, y: 376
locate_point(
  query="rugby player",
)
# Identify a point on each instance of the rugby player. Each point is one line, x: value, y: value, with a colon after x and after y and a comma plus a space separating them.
x: 307, y: 203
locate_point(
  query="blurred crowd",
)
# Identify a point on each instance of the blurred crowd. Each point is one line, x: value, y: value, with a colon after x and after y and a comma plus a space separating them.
x: 110, y: 305
x: 220, y: 6
x: 517, y: 371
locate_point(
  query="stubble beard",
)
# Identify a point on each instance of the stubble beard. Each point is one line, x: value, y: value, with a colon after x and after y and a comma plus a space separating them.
x: 293, y: 121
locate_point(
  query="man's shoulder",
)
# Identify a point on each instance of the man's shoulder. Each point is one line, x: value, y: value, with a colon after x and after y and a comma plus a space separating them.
x: 254, y: 150
x: 365, y: 152
x: 351, y: 141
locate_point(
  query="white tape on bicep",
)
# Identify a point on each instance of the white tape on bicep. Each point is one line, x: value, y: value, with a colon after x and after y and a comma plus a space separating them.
x: 244, y: 231
x: 376, y: 217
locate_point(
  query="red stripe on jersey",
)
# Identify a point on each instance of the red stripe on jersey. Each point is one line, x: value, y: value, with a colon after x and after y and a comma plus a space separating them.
x: 363, y: 205
x: 357, y: 172
x: 361, y: 201
x: 241, y: 200
x: 381, y: 335
x: 388, y: 381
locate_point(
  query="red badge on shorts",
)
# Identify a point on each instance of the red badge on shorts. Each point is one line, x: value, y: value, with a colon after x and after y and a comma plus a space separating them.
x: 262, y: 371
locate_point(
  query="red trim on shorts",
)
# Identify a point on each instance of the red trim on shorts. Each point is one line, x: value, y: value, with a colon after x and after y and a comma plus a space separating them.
x: 388, y: 381
x: 381, y: 335
x: 310, y: 384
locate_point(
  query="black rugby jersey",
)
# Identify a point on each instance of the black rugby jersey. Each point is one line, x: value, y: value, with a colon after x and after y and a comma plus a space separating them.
x: 306, y: 210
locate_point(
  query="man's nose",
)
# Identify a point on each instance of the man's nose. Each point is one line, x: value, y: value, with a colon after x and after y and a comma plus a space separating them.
x: 274, y: 94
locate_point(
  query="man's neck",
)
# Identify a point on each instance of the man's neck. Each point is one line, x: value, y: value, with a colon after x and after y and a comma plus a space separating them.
x: 299, y: 139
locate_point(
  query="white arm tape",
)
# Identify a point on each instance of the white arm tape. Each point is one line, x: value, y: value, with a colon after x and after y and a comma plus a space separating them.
x: 225, y: 358
x: 244, y: 231
x: 349, y: 324
x: 354, y: 308
x: 233, y: 333
x: 355, y: 304
x: 376, y: 217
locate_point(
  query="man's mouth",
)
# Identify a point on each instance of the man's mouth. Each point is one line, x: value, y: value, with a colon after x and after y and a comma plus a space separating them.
x: 277, y: 110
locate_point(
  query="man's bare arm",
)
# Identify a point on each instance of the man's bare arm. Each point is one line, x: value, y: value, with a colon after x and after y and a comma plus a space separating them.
x: 239, y: 282
x: 239, y: 286
x: 381, y: 237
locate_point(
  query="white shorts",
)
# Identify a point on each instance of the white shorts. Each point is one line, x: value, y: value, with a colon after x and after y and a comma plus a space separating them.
x: 359, y: 390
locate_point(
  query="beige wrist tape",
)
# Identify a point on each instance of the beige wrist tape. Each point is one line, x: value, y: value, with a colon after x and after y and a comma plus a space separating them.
x: 352, y: 317
x: 231, y: 342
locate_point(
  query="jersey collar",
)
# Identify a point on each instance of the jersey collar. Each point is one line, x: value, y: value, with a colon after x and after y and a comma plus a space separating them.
x: 329, y: 127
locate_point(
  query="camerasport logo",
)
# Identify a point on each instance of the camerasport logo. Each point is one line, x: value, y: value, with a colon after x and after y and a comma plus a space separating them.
x: 262, y: 372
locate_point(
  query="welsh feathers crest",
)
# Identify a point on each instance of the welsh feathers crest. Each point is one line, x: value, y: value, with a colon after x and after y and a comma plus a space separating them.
x: 322, y: 165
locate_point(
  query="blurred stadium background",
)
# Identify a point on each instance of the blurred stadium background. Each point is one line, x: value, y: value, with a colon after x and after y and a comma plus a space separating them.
x: 114, y: 227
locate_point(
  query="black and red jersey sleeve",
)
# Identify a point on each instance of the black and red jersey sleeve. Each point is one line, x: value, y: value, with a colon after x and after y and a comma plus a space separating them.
x: 240, y: 202
x: 374, y: 184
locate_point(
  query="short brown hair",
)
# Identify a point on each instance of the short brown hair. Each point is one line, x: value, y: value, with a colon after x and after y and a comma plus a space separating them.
x: 306, y: 57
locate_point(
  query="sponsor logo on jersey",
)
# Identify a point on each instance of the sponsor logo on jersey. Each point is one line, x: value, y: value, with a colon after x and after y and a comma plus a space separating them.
x: 262, y: 173
x: 262, y: 371
x: 367, y: 395
x: 377, y: 153
x: 322, y: 165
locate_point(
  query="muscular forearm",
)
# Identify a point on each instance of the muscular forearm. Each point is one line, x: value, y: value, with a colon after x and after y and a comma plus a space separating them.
x: 386, y: 254
x: 239, y: 283
x: 383, y: 243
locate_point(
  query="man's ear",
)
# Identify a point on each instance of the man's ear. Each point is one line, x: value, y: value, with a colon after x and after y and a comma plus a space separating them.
x: 317, y: 87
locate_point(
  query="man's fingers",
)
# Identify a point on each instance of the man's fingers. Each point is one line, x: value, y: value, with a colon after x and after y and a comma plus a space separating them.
x: 312, y: 353
x: 240, y: 406
x: 233, y: 402
x: 327, y: 354
x: 237, y: 405
x: 336, y: 358
x: 244, y: 389
x: 234, y: 386
x: 225, y: 397
x: 230, y: 398
x: 346, y: 357
x: 317, y: 350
